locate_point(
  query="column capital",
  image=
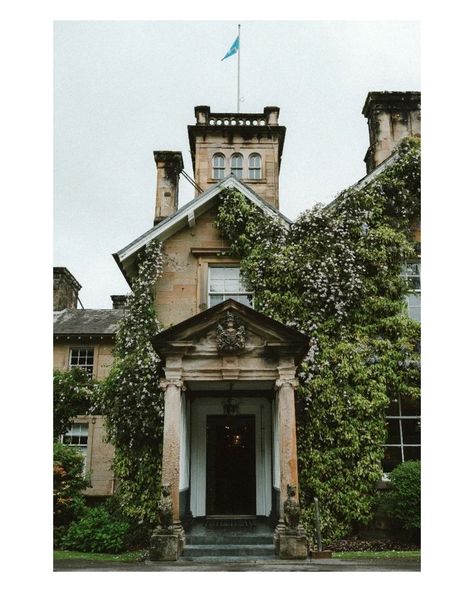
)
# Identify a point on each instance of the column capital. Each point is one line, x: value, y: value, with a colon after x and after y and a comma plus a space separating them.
x: 281, y: 382
x: 177, y: 382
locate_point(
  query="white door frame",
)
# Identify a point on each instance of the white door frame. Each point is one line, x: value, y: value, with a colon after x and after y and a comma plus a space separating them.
x: 200, y: 409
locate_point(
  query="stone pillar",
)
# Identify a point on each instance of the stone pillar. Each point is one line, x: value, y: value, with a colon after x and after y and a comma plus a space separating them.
x: 287, y: 444
x: 172, y: 441
x: 290, y: 541
x: 167, y: 542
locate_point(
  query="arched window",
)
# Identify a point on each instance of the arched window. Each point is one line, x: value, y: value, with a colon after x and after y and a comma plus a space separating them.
x: 236, y: 165
x: 255, y: 166
x: 218, y: 166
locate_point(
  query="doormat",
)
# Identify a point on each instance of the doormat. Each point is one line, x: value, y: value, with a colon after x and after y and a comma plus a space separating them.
x: 230, y: 523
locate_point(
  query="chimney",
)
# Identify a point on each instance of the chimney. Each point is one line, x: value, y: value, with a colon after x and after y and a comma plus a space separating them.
x: 391, y: 116
x: 168, y: 168
x: 119, y: 301
x: 65, y: 289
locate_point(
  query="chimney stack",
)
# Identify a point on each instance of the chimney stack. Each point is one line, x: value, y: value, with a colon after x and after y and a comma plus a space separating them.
x: 168, y: 168
x: 391, y: 116
x: 119, y: 301
x: 65, y: 289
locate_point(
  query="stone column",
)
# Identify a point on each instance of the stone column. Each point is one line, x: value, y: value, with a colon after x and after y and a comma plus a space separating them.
x: 287, y: 444
x: 167, y: 541
x: 172, y: 441
x: 290, y: 540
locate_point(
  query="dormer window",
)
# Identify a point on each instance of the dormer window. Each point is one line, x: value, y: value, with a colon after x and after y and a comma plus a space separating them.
x: 218, y: 166
x: 237, y: 165
x: 255, y: 166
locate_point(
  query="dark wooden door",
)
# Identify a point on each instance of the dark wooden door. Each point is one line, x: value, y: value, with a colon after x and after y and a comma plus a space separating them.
x: 230, y: 456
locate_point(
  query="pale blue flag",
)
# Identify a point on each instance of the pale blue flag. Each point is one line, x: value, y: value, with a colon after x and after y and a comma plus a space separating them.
x: 234, y: 48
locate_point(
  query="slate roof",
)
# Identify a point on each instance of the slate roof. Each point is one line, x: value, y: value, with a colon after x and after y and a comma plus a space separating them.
x: 87, y: 322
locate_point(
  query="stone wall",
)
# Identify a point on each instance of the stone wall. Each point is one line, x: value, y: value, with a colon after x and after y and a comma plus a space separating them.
x: 182, y: 290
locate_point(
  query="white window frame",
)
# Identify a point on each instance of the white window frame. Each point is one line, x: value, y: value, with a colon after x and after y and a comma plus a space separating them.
x: 247, y: 293
x: 400, y: 417
x: 255, y: 172
x: 237, y: 171
x: 88, y: 366
x: 407, y: 274
x: 73, y: 431
x: 218, y: 170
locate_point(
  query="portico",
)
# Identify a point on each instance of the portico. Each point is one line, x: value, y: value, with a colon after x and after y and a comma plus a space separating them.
x: 229, y: 445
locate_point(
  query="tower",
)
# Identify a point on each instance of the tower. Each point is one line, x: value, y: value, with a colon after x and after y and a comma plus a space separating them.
x: 247, y: 145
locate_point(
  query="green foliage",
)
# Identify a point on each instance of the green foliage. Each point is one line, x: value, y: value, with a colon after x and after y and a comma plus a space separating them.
x: 68, y: 484
x: 96, y: 531
x: 131, y: 399
x: 335, y: 275
x: 73, y: 393
x: 403, y: 500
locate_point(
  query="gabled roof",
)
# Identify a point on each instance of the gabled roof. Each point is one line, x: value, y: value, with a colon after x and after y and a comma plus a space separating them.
x: 75, y: 322
x: 125, y: 258
x: 277, y: 335
x: 367, y: 179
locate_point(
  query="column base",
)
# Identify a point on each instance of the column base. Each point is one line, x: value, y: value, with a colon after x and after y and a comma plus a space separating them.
x: 167, y: 545
x: 290, y: 543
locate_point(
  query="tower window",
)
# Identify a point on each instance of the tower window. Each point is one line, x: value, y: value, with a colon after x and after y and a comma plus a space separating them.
x: 255, y: 166
x: 218, y: 166
x: 236, y: 165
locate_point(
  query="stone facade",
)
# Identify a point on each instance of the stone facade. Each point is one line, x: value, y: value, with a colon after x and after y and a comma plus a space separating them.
x: 207, y: 359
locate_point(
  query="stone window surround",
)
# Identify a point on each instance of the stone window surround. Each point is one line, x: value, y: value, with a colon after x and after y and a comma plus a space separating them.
x: 205, y: 259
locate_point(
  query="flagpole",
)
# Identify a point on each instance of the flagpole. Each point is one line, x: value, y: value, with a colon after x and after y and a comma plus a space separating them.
x: 238, y: 72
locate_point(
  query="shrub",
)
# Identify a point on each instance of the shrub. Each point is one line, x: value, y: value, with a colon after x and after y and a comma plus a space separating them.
x: 98, y: 532
x: 402, y: 501
x: 68, y: 483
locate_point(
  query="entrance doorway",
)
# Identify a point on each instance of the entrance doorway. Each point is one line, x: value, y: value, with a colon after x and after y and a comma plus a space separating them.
x: 230, y: 463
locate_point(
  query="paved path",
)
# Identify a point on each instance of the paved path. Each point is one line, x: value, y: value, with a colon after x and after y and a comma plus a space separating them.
x: 340, y: 565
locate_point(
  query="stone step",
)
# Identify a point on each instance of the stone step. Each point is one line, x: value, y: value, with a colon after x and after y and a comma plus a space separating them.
x: 228, y: 551
x: 229, y: 539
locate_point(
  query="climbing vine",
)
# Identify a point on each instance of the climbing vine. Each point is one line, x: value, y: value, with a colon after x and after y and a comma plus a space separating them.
x: 131, y: 399
x: 335, y: 275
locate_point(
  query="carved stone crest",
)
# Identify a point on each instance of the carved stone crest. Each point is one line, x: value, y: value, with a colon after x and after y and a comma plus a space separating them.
x: 230, y: 335
x: 165, y: 510
x: 292, y: 509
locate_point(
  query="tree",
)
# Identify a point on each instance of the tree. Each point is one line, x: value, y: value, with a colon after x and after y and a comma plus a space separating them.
x: 73, y: 393
x: 131, y: 399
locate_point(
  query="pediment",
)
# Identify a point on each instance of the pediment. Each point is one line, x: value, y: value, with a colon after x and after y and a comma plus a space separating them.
x: 231, y: 329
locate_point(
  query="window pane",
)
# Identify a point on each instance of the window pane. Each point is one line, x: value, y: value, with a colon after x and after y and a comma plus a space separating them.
x: 231, y: 273
x: 232, y: 285
x: 411, y: 406
x: 412, y: 452
x: 393, y: 431
x: 217, y: 272
x: 393, y: 408
x: 215, y: 299
x: 216, y: 285
x: 392, y: 458
x: 411, y: 431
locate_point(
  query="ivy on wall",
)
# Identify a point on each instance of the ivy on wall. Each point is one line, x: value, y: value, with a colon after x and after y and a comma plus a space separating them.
x: 335, y: 275
x: 131, y: 399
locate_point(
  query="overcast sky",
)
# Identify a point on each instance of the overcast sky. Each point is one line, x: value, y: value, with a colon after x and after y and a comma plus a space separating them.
x: 126, y: 88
